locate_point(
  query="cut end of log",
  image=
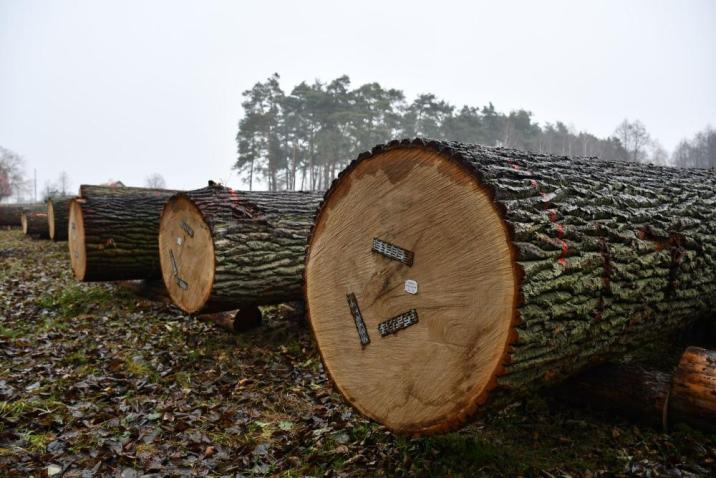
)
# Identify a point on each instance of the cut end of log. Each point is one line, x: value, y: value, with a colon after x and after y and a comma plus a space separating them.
x: 412, y: 288
x: 51, y: 219
x: 23, y: 222
x: 186, y: 251
x: 76, y: 240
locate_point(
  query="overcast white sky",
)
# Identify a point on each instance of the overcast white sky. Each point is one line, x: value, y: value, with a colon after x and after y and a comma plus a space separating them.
x: 123, y: 89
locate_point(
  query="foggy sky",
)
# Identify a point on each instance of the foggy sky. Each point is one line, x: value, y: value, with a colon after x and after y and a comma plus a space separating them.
x: 124, y: 89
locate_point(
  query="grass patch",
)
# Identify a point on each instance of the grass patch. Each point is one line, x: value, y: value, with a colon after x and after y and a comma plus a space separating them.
x: 137, y: 367
x: 22, y: 410
x: 37, y: 442
x: 75, y: 300
x: 455, y: 451
x: 9, y: 333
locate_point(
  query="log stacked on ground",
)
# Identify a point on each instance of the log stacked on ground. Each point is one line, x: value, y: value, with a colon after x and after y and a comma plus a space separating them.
x: 10, y: 214
x: 34, y: 224
x: 444, y: 277
x: 58, y: 212
x: 223, y: 249
x: 113, y: 233
x: 686, y: 396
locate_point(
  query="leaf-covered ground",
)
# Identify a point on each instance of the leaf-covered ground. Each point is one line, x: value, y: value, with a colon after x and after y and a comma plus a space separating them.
x: 97, y: 382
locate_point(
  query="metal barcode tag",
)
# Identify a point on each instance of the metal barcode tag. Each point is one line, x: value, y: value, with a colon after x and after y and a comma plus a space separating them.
x: 358, y: 319
x: 391, y: 251
x: 402, y: 321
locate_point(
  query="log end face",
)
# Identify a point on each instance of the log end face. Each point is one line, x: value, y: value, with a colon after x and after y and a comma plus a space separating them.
x: 23, y: 222
x: 76, y: 241
x: 411, y: 289
x: 51, y: 219
x: 186, y: 251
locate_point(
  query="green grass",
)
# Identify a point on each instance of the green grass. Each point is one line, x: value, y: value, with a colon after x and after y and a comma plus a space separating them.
x: 9, y: 333
x: 76, y: 300
x: 37, y: 442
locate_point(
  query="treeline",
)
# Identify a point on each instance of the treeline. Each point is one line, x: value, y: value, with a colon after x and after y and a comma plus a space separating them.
x: 301, y: 140
x: 698, y: 152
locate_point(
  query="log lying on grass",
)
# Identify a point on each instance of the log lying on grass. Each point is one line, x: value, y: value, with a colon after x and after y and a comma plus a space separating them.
x: 10, y: 214
x: 58, y: 212
x: 113, y: 233
x: 34, y: 224
x: 232, y: 321
x: 442, y: 277
x: 223, y: 249
x: 659, y: 398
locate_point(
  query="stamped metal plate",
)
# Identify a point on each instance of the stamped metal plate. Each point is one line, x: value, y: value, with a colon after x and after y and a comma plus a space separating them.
x: 391, y: 251
x: 400, y: 322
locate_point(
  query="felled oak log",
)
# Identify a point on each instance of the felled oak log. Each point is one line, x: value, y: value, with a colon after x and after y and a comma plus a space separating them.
x: 113, y: 233
x: 688, y: 395
x: 58, y: 215
x: 10, y: 214
x: 223, y: 249
x: 34, y: 224
x: 442, y: 278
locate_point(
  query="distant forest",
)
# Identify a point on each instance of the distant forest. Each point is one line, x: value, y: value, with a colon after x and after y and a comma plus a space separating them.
x: 303, y: 139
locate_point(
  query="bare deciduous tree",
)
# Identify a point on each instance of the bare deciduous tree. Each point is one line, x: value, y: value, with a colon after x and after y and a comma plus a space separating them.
x: 11, y: 174
x: 63, y: 183
x: 699, y: 152
x: 634, y: 138
x: 155, y: 180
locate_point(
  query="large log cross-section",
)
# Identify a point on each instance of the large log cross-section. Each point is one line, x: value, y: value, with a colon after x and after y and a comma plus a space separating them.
x: 444, y: 277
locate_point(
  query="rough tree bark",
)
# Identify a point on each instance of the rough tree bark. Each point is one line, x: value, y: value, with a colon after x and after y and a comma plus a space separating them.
x: 659, y: 398
x: 10, y: 214
x: 223, y: 249
x: 58, y: 215
x: 34, y: 224
x: 113, y: 233
x: 443, y: 277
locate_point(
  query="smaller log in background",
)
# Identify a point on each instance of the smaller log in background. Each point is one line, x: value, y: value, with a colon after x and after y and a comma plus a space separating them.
x: 10, y: 213
x: 233, y: 321
x: 652, y: 396
x: 34, y: 224
x: 223, y: 249
x: 58, y: 214
x: 113, y: 233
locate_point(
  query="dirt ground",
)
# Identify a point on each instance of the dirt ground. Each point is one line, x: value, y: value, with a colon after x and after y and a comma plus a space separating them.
x: 97, y: 382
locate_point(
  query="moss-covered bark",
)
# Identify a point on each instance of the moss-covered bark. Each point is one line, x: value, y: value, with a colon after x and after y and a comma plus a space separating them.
x: 610, y: 254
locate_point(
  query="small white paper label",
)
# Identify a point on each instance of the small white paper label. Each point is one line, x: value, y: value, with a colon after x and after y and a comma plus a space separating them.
x: 179, y: 241
x: 411, y: 287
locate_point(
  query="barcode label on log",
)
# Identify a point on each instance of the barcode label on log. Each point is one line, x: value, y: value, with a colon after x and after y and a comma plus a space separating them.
x: 391, y: 251
x: 400, y: 322
x: 358, y: 319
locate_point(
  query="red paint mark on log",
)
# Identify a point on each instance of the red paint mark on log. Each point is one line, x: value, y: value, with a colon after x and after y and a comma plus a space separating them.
x: 563, y: 257
x: 560, y: 230
x: 534, y: 184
